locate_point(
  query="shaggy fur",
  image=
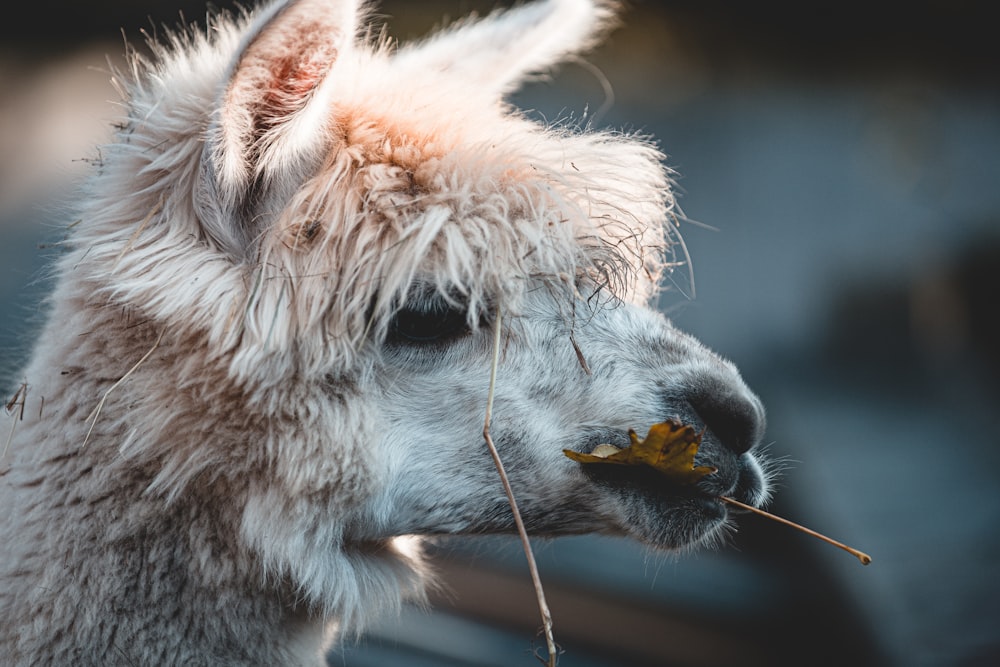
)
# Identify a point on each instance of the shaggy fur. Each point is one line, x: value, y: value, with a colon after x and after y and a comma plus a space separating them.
x: 268, y: 353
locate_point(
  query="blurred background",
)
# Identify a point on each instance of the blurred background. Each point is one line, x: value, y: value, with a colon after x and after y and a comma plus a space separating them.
x: 840, y: 168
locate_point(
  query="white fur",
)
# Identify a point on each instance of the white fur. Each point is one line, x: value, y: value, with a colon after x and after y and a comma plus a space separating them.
x: 229, y: 432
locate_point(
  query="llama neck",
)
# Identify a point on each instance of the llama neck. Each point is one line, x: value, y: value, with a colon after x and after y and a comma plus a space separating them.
x: 107, y: 571
x: 121, y: 578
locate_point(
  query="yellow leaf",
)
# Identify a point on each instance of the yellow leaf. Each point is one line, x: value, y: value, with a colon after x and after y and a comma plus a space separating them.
x: 668, y: 448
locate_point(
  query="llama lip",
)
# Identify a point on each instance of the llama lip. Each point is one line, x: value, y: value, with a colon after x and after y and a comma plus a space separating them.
x: 641, y: 479
x: 735, y: 476
x: 651, y: 509
x: 724, y: 480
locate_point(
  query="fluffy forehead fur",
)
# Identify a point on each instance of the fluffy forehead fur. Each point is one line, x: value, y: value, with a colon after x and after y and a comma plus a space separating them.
x: 399, y: 167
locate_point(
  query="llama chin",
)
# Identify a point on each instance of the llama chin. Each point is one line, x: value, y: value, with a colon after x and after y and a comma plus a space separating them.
x: 269, y: 346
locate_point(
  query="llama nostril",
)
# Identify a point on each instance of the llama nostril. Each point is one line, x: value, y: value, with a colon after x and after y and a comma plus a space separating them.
x: 737, y: 420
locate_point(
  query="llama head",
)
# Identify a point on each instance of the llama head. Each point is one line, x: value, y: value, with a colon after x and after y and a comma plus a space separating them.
x: 325, y: 228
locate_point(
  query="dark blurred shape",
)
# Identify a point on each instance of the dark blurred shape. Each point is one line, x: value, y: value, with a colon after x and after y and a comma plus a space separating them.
x: 914, y: 328
x: 775, y: 607
x: 976, y: 277
x: 951, y: 40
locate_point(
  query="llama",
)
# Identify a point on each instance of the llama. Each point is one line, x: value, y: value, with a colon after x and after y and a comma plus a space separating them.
x: 268, y: 351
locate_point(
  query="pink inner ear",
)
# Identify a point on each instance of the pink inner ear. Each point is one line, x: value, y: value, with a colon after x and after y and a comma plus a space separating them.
x: 276, y: 75
x: 292, y: 78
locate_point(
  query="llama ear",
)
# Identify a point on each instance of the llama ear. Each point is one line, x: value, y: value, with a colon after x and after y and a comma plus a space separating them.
x: 271, y: 117
x: 506, y: 46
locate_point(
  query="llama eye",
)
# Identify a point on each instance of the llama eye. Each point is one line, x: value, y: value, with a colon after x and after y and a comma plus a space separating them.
x: 438, y: 323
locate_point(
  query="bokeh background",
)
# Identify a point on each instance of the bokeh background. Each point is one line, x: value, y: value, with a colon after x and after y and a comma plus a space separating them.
x: 840, y: 168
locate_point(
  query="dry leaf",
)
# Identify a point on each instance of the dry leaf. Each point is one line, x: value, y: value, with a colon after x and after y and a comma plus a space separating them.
x: 669, y: 448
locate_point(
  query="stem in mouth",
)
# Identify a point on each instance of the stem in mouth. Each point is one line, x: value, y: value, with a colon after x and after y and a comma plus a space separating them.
x: 860, y: 555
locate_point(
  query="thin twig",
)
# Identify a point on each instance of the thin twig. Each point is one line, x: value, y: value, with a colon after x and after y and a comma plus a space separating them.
x: 92, y: 417
x: 860, y: 555
x: 543, y: 606
x: 579, y: 354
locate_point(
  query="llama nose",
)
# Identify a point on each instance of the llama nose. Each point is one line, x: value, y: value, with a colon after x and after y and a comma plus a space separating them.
x: 736, y: 419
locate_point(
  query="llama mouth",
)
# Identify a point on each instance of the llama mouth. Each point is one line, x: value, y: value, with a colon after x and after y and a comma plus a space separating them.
x: 658, y: 512
x: 666, y: 514
x: 645, y: 481
x: 640, y: 478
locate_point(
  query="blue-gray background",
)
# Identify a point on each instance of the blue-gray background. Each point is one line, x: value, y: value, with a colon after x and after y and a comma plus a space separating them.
x: 839, y: 164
